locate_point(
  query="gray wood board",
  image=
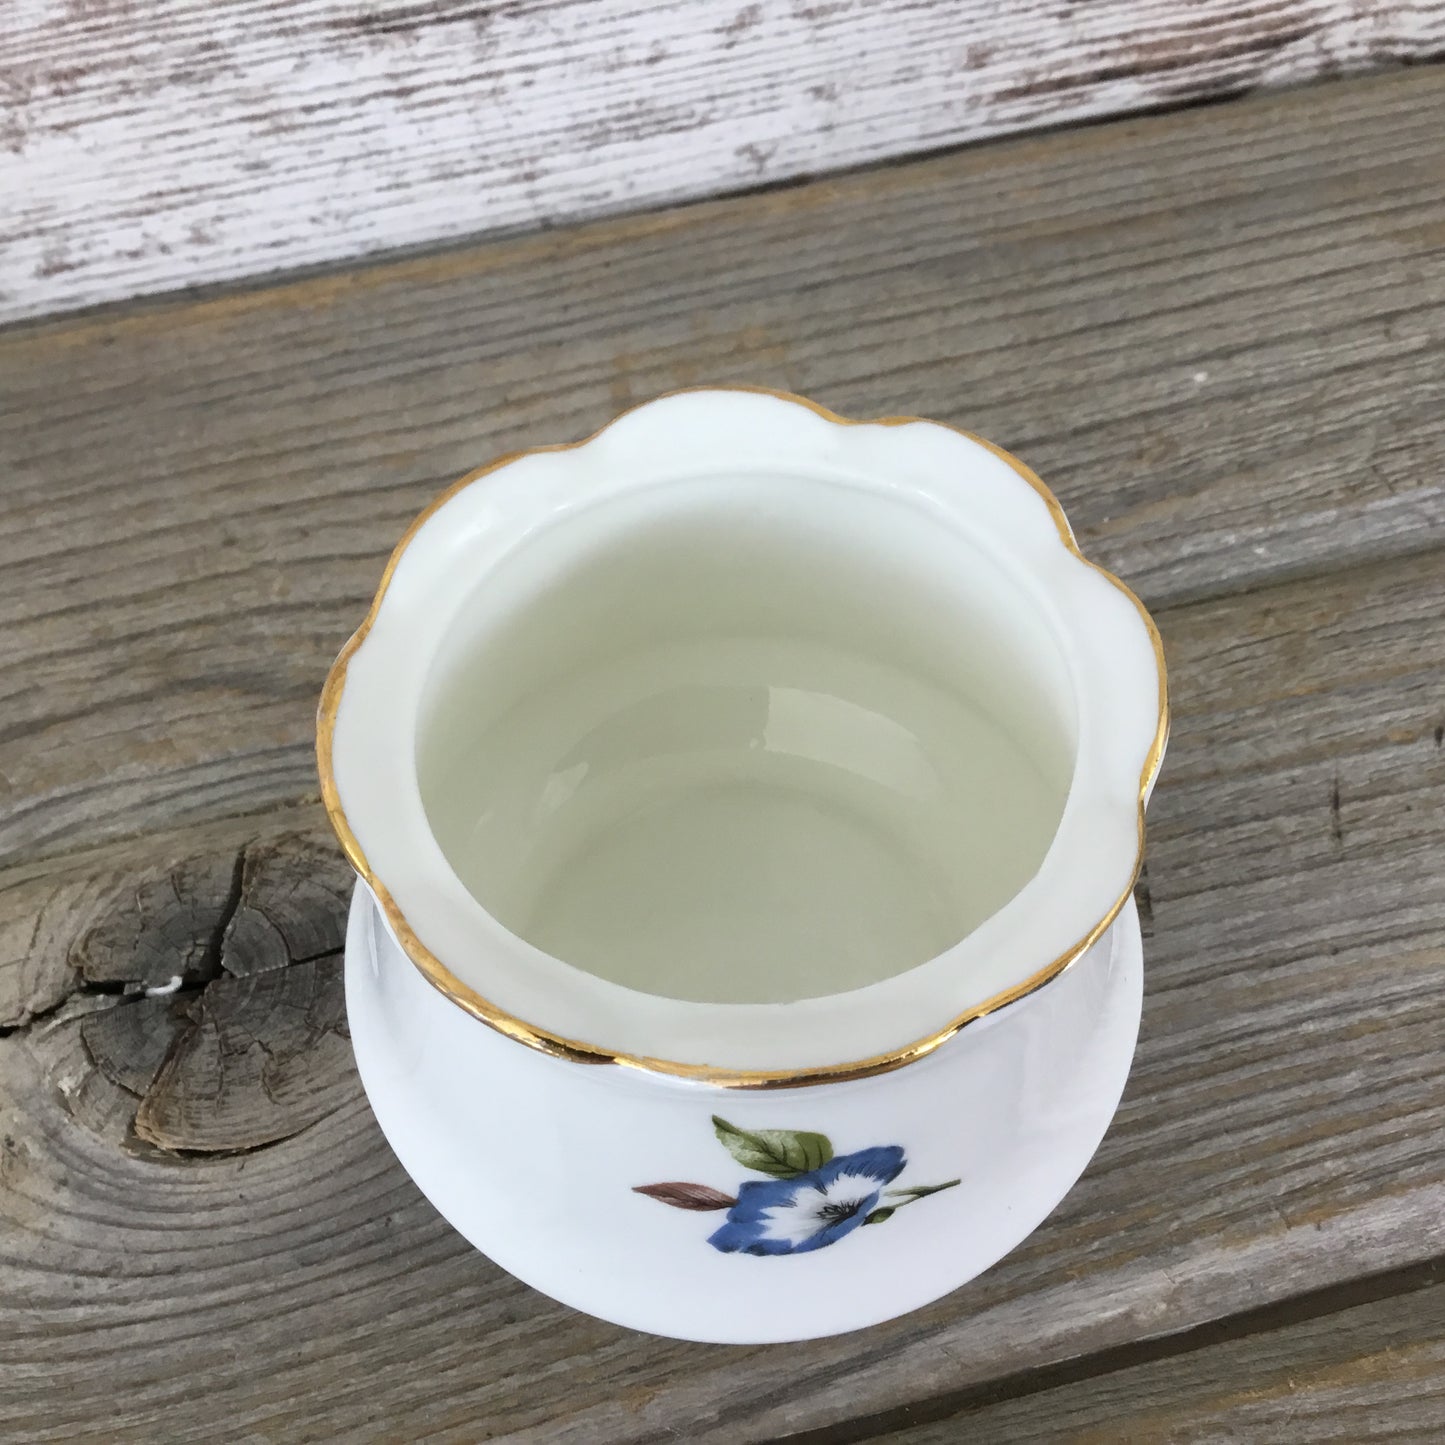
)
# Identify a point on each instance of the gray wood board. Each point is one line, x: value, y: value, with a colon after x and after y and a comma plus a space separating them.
x: 1370, y: 1371
x: 1283, y: 1130
x: 1215, y: 333
x: 147, y: 147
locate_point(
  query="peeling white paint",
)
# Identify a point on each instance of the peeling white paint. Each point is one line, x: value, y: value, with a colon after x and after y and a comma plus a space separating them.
x: 145, y: 148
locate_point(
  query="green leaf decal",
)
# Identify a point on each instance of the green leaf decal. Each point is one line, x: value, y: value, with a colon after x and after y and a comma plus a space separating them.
x: 783, y: 1153
x: 880, y: 1216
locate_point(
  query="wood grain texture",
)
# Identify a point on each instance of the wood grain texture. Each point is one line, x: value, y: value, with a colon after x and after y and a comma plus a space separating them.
x: 1372, y: 1372
x: 144, y: 148
x: 1215, y: 333
x: 1284, y: 1128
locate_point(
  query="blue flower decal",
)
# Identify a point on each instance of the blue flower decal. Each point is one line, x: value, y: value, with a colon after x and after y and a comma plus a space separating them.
x: 813, y: 1198
x: 788, y: 1216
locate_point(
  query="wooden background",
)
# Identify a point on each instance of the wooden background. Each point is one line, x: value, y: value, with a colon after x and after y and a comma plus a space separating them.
x: 1217, y: 333
x: 147, y: 145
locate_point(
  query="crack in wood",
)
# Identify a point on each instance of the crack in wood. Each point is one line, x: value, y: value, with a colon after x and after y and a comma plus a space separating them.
x: 57, y: 1010
x: 215, y: 944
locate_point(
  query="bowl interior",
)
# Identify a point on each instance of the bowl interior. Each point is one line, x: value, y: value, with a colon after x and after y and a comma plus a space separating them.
x: 746, y: 739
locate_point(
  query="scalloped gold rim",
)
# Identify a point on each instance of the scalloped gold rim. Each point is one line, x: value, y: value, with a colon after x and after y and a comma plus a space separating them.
x: 442, y: 978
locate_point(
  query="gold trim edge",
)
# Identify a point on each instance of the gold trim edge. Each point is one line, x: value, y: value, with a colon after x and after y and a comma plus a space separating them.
x: 575, y: 1051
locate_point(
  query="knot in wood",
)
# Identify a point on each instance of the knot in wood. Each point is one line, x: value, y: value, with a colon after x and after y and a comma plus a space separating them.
x: 228, y: 1028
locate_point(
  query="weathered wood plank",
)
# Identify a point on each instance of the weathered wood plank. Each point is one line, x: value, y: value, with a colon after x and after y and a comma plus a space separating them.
x: 1373, y: 1371
x: 148, y: 148
x: 1215, y: 333
x: 1284, y: 1128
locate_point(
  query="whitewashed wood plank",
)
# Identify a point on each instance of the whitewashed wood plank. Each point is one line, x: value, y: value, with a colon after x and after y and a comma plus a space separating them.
x: 149, y: 147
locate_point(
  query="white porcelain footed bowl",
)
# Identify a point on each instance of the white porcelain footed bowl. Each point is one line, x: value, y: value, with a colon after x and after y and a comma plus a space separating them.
x: 747, y: 804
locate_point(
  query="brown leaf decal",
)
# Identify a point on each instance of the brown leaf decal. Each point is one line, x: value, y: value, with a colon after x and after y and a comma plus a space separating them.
x: 686, y: 1196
